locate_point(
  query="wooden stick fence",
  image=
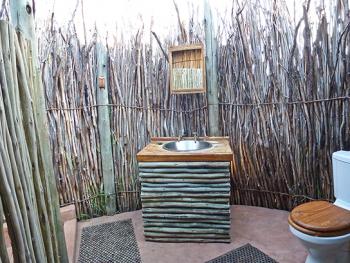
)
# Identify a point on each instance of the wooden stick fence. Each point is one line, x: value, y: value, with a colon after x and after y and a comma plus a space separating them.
x: 285, y: 106
x: 140, y: 107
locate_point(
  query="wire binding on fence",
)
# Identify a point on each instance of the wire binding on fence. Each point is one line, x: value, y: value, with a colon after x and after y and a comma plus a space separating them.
x: 285, y: 102
x: 127, y: 106
x: 200, y: 108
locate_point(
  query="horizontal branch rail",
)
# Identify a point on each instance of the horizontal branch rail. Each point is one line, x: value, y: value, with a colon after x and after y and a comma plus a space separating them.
x: 280, y: 193
x: 127, y: 107
x: 285, y: 102
x: 200, y: 108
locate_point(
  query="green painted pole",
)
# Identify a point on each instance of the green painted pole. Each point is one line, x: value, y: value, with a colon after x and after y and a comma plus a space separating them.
x: 104, y: 129
x: 211, y: 71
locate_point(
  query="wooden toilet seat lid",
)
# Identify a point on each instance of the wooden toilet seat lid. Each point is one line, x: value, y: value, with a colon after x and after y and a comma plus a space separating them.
x: 320, y: 218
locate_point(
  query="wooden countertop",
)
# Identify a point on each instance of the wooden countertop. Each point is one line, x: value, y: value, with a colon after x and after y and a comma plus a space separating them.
x: 154, y: 152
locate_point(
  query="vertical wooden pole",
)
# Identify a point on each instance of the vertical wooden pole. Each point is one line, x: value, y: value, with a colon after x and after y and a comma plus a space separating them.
x: 3, y: 251
x: 104, y: 129
x: 211, y: 71
x: 22, y: 18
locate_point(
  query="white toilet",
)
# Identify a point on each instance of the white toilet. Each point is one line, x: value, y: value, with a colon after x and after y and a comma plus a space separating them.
x: 323, y: 227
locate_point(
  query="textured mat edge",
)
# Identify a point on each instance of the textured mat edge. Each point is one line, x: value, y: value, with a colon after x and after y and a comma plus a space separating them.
x: 129, y: 224
x: 220, y: 258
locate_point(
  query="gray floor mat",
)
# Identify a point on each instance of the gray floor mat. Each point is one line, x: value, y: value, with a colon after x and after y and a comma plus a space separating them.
x: 109, y: 242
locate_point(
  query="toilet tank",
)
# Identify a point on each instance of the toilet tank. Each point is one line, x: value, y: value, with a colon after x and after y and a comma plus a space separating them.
x: 341, y: 177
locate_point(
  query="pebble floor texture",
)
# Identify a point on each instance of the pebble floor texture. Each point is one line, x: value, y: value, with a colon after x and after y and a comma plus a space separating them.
x: 265, y: 229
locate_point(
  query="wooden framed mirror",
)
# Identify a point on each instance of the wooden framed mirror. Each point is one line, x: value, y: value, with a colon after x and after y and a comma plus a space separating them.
x: 187, y: 69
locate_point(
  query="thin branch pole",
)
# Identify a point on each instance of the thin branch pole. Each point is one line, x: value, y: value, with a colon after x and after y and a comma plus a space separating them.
x: 4, y: 257
x: 160, y: 46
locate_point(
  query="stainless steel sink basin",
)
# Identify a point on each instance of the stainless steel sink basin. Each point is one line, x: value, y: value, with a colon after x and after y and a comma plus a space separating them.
x: 187, y: 146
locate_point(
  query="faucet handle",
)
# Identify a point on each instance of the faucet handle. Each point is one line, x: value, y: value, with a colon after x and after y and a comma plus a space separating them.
x: 183, y: 134
x: 195, y: 136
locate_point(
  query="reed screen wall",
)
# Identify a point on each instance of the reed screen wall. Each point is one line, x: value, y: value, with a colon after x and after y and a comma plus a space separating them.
x: 284, y: 102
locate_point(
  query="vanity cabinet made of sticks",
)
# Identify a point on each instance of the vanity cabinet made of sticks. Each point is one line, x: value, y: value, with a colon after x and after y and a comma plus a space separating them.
x: 186, y: 196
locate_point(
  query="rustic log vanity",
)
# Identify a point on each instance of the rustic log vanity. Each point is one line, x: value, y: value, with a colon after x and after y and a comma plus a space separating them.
x: 185, y: 194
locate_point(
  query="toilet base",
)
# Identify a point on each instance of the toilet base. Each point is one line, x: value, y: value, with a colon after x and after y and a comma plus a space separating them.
x: 333, y: 254
x: 325, y: 249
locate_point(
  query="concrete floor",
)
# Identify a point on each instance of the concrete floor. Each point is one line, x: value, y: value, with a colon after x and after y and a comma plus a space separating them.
x: 266, y: 229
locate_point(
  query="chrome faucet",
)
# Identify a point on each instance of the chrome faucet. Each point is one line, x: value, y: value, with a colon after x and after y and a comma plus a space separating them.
x: 195, y: 136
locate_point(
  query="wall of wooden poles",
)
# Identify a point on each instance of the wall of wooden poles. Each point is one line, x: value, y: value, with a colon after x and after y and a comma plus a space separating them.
x: 27, y: 203
x: 283, y: 97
